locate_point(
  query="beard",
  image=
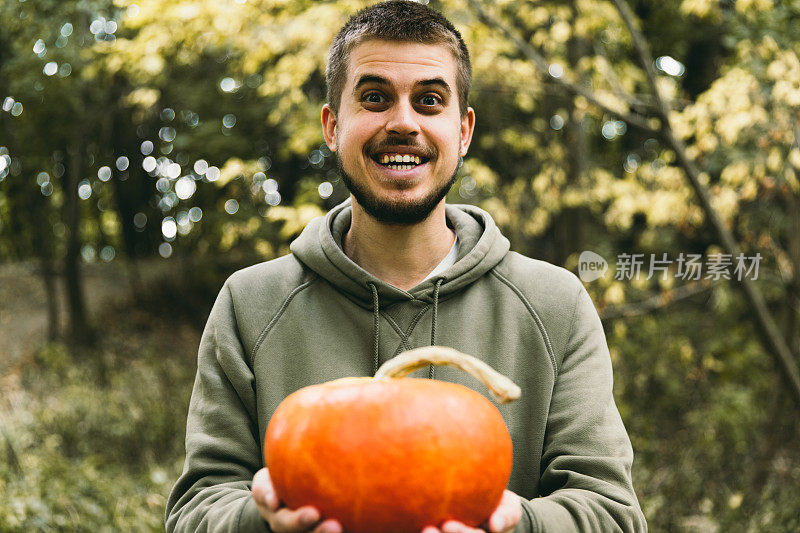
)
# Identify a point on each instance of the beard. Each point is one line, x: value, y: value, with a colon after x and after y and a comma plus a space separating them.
x: 400, y: 213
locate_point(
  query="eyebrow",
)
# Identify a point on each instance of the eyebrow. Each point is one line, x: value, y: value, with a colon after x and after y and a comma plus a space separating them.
x: 380, y: 80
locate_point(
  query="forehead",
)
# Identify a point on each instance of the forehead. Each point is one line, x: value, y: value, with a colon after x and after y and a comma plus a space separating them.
x: 401, y: 62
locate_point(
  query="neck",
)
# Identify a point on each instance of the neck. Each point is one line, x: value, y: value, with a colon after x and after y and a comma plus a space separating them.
x: 397, y: 254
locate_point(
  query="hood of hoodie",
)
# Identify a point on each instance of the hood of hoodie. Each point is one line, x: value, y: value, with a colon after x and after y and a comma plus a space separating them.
x: 319, y: 247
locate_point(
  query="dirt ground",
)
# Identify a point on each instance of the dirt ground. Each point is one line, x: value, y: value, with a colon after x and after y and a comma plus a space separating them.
x: 23, y: 301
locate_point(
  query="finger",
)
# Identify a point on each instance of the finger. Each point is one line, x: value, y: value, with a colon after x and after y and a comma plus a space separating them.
x: 507, y: 515
x: 431, y: 529
x: 328, y: 526
x: 301, y: 519
x: 498, y: 523
x: 263, y: 491
x: 452, y: 526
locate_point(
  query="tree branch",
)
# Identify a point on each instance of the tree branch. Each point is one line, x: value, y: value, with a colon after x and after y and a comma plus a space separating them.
x: 775, y: 341
x: 541, y: 64
x: 605, y: 66
x: 645, y: 58
x: 656, y: 302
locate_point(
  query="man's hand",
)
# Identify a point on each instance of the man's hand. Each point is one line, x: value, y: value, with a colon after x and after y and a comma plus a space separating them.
x: 282, y: 519
x: 503, y: 520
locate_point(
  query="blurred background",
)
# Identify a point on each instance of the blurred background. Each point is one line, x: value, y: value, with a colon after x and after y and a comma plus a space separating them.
x: 149, y: 148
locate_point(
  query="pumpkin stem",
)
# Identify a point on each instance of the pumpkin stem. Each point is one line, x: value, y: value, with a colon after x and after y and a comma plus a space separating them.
x: 407, y: 362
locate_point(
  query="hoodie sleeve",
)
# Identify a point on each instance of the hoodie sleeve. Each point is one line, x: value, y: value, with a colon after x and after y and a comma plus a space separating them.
x: 222, y: 443
x: 587, y: 456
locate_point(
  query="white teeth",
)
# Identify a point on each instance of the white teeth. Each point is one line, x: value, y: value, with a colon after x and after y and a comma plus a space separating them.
x: 398, y: 158
x: 391, y: 161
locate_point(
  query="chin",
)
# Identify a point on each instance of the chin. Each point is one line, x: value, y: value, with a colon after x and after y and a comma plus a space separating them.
x: 399, y: 207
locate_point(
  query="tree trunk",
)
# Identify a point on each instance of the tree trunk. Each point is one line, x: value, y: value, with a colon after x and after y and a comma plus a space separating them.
x: 129, y: 197
x: 79, y: 329
x: 51, y: 289
x: 571, y: 219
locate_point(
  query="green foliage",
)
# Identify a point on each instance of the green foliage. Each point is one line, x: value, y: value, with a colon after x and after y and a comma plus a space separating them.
x: 94, y: 440
x: 715, y: 439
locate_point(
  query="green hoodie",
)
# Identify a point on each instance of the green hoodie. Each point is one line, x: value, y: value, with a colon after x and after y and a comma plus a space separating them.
x: 314, y: 315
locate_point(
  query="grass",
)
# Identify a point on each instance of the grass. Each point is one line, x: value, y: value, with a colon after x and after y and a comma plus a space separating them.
x: 92, y: 439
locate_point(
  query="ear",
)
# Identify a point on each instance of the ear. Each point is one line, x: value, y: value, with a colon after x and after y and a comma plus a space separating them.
x: 467, y: 127
x: 329, y: 127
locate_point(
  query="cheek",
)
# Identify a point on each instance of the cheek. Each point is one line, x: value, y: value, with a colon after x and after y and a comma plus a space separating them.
x: 353, y: 138
x: 447, y: 136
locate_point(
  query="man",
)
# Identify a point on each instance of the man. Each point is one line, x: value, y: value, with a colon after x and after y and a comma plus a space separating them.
x: 395, y: 268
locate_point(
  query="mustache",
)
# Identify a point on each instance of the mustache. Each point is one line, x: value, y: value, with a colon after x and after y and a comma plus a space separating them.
x: 373, y: 148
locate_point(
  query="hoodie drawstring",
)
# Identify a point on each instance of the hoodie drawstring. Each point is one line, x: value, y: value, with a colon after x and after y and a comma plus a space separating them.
x: 435, y: 319
x: 375, y: 326
x: 376, y: 317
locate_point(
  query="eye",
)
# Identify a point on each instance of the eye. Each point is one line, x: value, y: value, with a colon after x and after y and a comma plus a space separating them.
x: 430, y: 100
x: 373, y: 98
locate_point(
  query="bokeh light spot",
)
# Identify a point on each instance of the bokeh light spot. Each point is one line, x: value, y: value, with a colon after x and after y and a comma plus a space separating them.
x: 325, y: 189
x: 140, y: 220
x: 556, y: 70
x: 88, y: 253
x: 273, y: 198
x: 169, y: 228
x: 149, y: 164
x: 231, y: 206
x: 174, y: 170
x: 166, y: 134
x: 185, y: 188
x: 270, y: 186
x: 84, y: 190
x: 227, y: 85
x: 104, y: 173
x: 107, y: 253
x: 200, y: 166
x: 670, y: 65
x: 165, y: 250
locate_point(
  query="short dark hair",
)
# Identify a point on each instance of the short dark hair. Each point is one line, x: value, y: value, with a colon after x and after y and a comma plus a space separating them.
x: 401, y: 21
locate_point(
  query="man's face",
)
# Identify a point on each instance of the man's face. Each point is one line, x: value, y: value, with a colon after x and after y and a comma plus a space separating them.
x: 399, y: 134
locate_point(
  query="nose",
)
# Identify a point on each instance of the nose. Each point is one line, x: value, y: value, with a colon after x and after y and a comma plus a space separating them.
x: 402, y: 120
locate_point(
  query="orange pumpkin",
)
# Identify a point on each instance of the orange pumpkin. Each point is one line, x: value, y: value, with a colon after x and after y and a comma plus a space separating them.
x: 388, y: 455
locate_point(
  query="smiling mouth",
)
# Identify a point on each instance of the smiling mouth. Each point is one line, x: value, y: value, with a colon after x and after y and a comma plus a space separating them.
x: 399, y: 161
